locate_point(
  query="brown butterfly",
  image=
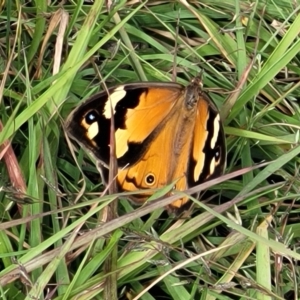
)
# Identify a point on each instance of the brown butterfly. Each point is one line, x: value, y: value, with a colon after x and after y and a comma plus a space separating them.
x: 164, y: 133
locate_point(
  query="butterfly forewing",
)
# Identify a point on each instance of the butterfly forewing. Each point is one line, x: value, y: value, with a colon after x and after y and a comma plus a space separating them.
x: 140, y: 123
x: 135, y: 120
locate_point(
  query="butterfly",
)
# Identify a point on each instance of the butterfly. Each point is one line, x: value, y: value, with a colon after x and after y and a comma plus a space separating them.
x: 164, y: 133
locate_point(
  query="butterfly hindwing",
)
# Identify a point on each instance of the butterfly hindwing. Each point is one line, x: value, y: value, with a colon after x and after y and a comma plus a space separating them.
x: 207, y: 159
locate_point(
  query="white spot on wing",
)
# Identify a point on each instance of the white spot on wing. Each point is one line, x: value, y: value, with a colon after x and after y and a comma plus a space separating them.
x: 216, y: 131
x: 212, y: 167
x: 93, y: 130
x: 113, y: 100
x: 199, y: 166
x: 121, y: 142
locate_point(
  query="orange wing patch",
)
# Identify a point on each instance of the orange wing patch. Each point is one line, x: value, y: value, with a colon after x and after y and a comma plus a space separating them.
x: 155, y: 169
x: 154, y: 108
x: 200, y: 136
x: 152, y: 170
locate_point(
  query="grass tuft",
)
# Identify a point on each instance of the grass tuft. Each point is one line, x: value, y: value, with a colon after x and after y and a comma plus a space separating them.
x: 240, y: 241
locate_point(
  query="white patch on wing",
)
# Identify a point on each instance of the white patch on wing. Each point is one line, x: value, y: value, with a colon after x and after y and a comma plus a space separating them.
x: 213, y: 141
x: 199, y: 166
x: 121, y: 137
x: 113, y: 100
x: 212, y: 167
x: 92, y: 130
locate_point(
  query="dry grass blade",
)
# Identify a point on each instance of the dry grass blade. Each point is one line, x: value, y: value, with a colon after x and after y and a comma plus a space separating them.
x: 59, y: 17
x: 13, y: 168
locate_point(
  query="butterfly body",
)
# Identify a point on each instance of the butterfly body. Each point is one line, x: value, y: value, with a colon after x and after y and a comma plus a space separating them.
x: 164, y: 133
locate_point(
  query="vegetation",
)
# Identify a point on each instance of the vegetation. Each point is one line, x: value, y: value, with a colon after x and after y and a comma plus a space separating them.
x: 242, y: 244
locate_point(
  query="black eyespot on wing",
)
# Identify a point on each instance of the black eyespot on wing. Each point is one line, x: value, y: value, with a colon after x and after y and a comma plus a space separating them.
x: 150, y: 179
x: 217, y: 153
x: 91, y: 117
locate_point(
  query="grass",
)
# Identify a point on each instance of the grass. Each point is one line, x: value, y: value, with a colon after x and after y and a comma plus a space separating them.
x: 243, y: 244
